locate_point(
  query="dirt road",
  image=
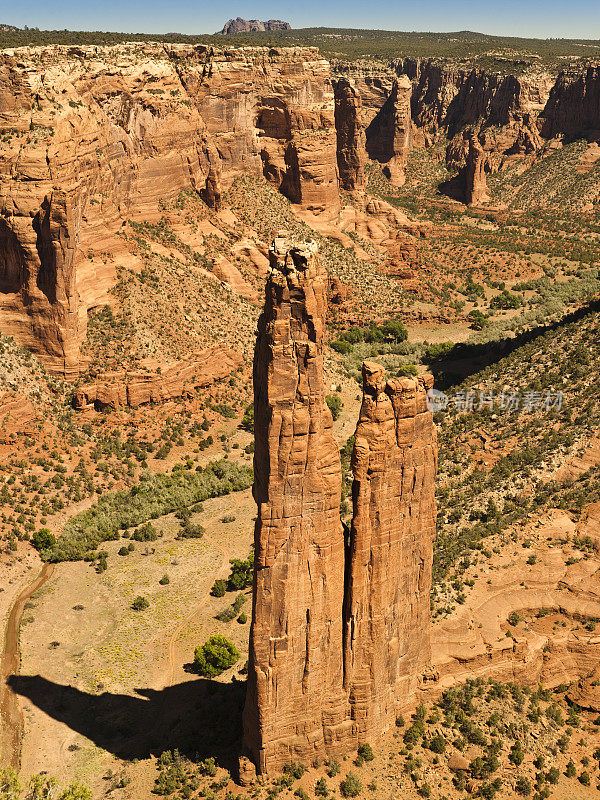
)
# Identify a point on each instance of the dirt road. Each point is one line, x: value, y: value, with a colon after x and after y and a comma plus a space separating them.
x: 11, y: 727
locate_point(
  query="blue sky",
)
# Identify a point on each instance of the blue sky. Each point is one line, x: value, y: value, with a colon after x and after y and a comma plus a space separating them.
x: 540, y: 18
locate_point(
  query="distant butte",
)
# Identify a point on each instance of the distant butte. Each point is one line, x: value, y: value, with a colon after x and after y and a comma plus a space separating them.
x: 240, y: 25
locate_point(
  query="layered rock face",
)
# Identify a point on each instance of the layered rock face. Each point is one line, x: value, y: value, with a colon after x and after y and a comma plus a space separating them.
x: 92, y: 141
x: 474, y: 180
x: 350, y: 135
x: 294, y: 703
x: 573, y: 107
x: 178, y: 379
x: 389, y: 134
x: 386, y: 637
x: 340, y: 631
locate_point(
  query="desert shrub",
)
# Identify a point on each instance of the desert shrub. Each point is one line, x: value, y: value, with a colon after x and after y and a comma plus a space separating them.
x: 228, y: 614
x: 152, y: 497
x: 247, y: 422
x: 140, y: 603
x: 477, y: 319
x: 437, y: 744
x: 395, y: 330
x: 516, y: 754
x: 208, y: 767
x: 334, y: 404
x: 523, y: 787
x: 42, y: 539
x: 505, y: 300
x: 164, y: 580
x: 190, y: 531
x: 341, y: 347
x: 75, y: 791
x: 321, y: 788
x: 219, y: 588
x: 243, y: 618
x: 365, y: 751
x: 570, y: 771
x: 215, y: 656
x: 124, y: 551
x: 241, y: 574
x: 350, y: 786
x: 553, y: 775
x: 407, y: 371
x: 10, y: 786
x: 333, y: 767
x: 584, y: 778
x: 146, y: 533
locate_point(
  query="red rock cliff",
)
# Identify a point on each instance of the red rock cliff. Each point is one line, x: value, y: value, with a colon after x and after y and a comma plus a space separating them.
x: 350, y: 135
x: 294, y: 707
x: 90, y: 142
x: 389, y: 134
x: 387, y: 625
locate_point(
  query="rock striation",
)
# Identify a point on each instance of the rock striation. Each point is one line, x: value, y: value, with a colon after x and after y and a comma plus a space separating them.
x: 386, y: 635
x: 351, y: 153
x: 294, y: 703
x: 340, y: 629
x: 104, y: 135
x: 473, y: 174
x: 178, y: 379
x: 389, y: 134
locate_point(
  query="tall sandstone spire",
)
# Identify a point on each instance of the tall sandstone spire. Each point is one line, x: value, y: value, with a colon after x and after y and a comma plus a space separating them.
x: 386, y: 642
x: 340, y: 630
x: 294, y: 703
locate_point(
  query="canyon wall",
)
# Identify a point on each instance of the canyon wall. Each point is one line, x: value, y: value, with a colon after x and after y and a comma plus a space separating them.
x: 340, y: 630
x: 388, y: 137
x: 513, y: 116
x: 94, y: 136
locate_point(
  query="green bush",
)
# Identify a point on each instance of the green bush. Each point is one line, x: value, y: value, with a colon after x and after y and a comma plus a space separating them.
x: 334, y: 404
x: 164, y: 580
x: 321, y: 788
x: 241, y: 574
x: 523, y: 787
x: 407, y: 371
x: 247, y: 422
x: 365, y: 751
x: 147, y: 533
x: 437, y: 744
x: 505, y: 300
x: 219, y: 588
x: 215, y: 656
x: 477, y: 319
x: 43, y: 539
x: 516, y: 754
x: 350, y: 786
x: 140, y: 603
x: 341, y: 347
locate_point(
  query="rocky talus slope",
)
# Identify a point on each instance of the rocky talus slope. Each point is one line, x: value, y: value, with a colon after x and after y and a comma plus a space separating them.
x: 340, y: 634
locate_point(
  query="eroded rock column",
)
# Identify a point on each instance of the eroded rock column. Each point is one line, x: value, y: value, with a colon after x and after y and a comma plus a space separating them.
x: 387, y: 620
x: 295, y: 703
